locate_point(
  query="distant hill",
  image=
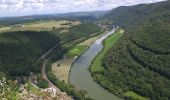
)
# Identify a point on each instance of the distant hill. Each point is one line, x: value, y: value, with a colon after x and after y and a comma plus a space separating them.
x: 139, y: 64
x: 81, y: 14
x: 127, y: 16
x: 73, y: 15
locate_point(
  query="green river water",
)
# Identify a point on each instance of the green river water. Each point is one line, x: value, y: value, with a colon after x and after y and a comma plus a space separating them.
x: 80, y: 76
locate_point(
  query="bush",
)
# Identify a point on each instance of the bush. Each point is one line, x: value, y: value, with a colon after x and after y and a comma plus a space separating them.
x: 43, y: 84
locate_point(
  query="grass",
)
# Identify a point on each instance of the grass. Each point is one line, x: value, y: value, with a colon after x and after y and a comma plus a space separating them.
x: 96, y: 65
x: 40, y: 25
x: 61, y: 68
x: 4, y: 29
x: 77, y: 50
x: 16, y: 97
x: 43, y: 84
x: 135, y: 96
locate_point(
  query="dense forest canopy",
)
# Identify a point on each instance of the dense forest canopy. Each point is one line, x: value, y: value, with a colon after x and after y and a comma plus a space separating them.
x: 129, y: 16
x: 140, y: 61
x: 20, y: 50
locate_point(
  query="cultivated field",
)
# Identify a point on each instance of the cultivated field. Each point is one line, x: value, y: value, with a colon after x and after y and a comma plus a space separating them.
x: 40, y: 25
x: 61, y: 68
x: 4, y: 29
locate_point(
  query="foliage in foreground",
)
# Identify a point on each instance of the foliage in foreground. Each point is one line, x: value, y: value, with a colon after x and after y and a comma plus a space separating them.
x: 8, y: 90
x: 43, y: 84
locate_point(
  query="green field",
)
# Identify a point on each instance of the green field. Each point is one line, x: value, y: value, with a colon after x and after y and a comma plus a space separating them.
x: 42, y: 25
x: 77, y: 50
x: 134, y: 96
x: 108, y: 43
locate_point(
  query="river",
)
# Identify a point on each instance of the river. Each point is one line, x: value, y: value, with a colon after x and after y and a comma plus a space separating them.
x: 80, y: 76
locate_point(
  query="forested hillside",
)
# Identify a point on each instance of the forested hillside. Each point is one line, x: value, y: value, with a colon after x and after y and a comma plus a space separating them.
x: 128, y: 16
x: 20, y: 50
x: 138, y: 66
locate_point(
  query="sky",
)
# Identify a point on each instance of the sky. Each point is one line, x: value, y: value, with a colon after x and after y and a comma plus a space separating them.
x: 31, y: 7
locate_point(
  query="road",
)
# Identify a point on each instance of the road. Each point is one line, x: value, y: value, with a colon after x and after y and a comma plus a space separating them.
x: 63, y: 95
x: 44, y: 75
x: 49, y: 51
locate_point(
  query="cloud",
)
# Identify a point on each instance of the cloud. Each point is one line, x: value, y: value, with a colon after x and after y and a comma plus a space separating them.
x: 26, y: 7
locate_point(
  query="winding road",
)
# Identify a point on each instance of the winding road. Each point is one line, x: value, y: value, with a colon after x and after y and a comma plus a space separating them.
x: 44, y: 75
x: 63, y: 95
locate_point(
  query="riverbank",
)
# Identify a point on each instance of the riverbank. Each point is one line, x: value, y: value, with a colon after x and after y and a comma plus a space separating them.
x: 61, y: 68
x: 96, y: 65
x: 80, y: 76
x: 66, y: 88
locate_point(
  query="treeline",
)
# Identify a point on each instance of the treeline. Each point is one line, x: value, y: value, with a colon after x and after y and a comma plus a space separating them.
x: 73, y: 36
x: 76, y: 34
x: 140, y: 61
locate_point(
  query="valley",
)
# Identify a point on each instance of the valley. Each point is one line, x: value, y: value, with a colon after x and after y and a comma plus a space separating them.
x: 117, y: 54
x: 62, y: 67
x: 32, y: 47
x: 81, y: 77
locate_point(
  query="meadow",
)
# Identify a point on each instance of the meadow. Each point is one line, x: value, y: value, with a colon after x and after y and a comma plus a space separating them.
x: 135, y: 96
x: 42, y: 25
x: 77, y: 50
x: 96, y: 65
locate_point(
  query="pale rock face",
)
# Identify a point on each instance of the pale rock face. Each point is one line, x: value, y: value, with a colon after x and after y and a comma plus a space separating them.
x: 51, y: 90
